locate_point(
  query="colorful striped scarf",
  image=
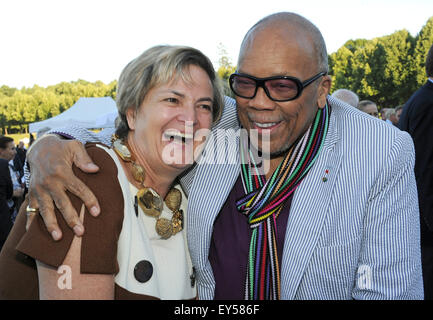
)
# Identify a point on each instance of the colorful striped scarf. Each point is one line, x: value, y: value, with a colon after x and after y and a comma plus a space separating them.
x: 264, y: 200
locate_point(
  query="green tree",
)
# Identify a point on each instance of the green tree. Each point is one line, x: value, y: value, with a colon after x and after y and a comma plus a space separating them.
x: 424, y: 41
x: 225, y: 69
x: 18, y: 108
x: 7, y: 91
x: 390, y: 75
x: 381, y: 69
x: 340, y: 69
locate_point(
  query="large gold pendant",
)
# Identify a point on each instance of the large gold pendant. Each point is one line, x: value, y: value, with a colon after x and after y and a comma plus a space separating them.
x: 177, y: 221
x: 138, y: 173
x: 173, y: 199
x: 164, y: 228
x: 122, y: 150
x: 150, y: 202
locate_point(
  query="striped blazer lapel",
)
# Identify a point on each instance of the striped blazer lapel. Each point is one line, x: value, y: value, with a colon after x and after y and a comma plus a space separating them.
x: 215, y: 176
x: 308, y: 213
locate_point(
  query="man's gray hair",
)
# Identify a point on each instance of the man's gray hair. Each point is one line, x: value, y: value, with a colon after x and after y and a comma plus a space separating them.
x: 347, y: 96
x: 398, y: 107
x: 387, y: 113
x: 362, y: 104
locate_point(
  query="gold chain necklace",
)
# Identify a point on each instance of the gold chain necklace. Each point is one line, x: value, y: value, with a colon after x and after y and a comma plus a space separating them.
x: 148, y: 199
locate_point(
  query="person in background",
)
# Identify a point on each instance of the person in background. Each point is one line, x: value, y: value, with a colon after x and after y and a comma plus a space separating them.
x: 398, y: 111
x: 7, y: 153
x: 22, y: 154
x: 20, y: 159
x: 19, y: 189
x: 369, y: 107
x: 347, y: 96
x: 389, y: 116
x: 31, y: 139
x: 417, y: 119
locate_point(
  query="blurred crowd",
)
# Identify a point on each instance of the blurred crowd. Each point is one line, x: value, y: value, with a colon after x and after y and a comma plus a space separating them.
x: 12, y: 184
x: 389, y: 115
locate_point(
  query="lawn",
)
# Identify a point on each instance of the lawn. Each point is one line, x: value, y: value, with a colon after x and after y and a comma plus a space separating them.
x: 19, y: 136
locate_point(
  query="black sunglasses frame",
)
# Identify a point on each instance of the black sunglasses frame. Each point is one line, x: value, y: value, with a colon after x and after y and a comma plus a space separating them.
x: 260, y: 83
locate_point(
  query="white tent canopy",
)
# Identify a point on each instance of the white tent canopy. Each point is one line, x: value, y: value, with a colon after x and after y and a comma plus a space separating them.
x: 107, y: 120
x: 86, y: 113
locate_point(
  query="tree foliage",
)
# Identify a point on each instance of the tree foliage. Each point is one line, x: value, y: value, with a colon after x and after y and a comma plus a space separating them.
x: 424, y: 41
x: 225, y: 69
x: 387, y: 69
x: 18, y: 108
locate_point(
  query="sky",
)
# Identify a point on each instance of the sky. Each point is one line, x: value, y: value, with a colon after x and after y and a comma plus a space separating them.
x: 45, y: 42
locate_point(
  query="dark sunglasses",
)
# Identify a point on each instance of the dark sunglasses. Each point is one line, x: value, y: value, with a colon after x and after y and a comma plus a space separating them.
x: 279, y: 88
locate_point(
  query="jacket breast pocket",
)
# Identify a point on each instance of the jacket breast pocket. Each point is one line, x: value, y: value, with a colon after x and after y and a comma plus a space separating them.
x: 332, y: 271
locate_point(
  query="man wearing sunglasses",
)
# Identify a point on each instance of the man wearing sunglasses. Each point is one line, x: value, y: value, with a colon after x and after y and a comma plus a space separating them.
x: 335, y: 216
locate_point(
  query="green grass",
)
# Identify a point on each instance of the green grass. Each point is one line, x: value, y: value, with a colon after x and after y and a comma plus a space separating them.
x: 18, y: 136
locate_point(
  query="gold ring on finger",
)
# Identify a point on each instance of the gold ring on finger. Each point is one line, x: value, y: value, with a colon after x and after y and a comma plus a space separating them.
x: 31, y: 210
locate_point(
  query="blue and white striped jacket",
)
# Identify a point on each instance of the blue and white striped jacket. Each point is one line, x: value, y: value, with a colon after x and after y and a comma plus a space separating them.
x: 353, y: 235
